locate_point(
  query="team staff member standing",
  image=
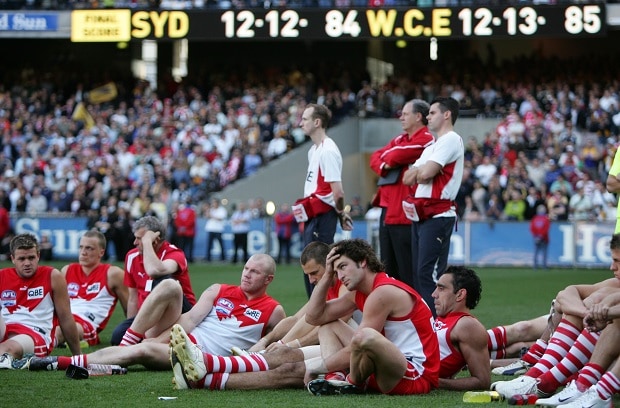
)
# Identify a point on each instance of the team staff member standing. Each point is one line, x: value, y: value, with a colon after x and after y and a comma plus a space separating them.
x: 436, y: 178
x: 323, y: 180
x: 404, y: 149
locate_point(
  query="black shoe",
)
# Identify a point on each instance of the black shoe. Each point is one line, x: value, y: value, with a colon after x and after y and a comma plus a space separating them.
x: 49, y: 363
x: 321, y: 386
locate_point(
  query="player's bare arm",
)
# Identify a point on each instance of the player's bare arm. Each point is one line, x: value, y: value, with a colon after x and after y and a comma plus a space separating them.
x: 470, y: 338
x: 62, y: 308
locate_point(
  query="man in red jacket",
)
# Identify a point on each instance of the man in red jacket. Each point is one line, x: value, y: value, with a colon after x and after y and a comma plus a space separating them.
x: 390, y: 162
x: 539, y: 227
x: 185, y: 225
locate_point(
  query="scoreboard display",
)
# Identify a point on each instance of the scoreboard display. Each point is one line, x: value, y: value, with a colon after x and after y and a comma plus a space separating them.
x: 415, y: 23
x: 394, y: 23
x: 510, y: 21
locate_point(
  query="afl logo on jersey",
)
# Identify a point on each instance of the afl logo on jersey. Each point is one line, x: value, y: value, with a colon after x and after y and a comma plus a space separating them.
x: 73, y: 289
x: 8, y: 298
x: 224, y: 307
x: 35, y: 293
x: 438, y: 325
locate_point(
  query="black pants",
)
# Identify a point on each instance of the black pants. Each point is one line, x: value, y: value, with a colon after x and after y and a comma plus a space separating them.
x: 285, y: 249
x: 240, y: 244
x: 321, y: 228
x: 215, y: 236
x: 395, y: 244
x: 430, y: 243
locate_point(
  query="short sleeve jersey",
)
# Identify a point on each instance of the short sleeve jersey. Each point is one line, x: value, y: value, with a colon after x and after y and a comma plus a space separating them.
x: 136, y: 276
x: 448, y: 152
x: 324, y: 167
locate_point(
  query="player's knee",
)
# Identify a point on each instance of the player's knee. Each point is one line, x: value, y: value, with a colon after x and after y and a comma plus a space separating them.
x: 364, y: 338
x: 168, y: 289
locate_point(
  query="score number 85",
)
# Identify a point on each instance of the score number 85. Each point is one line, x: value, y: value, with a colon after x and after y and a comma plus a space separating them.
x: 577, y: 20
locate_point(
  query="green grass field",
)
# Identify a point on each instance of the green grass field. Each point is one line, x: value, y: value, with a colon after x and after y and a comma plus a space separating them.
x: 509, y: 295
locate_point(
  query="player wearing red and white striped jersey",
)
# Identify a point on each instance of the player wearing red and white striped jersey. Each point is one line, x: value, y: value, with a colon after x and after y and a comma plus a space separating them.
x: 462, y: 338
x: 94, y: 288
x: 224, y: 316
x: 34, y: 301
x: 394, y: 350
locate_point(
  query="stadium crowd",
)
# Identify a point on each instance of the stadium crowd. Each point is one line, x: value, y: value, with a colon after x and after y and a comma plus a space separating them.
x: 148, y: 150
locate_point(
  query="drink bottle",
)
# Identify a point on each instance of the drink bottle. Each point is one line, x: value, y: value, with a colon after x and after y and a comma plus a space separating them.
x: 105, y: 369
x: 482, y: 396
x: 523, y: 399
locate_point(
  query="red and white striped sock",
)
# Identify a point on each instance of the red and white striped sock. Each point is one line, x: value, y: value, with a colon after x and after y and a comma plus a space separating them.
x: 215, y: 381
x: 578, y: 355
x: 608, y: 385
x: 235, y: 364
x: 497, y: 342
x: 535, y: 352
x: 560, y: 342
x: 80, y: 360
x: 589, y: 375
x: 131, y: 337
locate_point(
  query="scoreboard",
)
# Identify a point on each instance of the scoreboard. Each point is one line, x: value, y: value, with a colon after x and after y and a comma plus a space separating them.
x: 414, y: 23
x: 115, y: 25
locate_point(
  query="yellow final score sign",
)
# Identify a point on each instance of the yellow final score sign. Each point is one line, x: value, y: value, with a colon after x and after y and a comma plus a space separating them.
x: 100, y: 25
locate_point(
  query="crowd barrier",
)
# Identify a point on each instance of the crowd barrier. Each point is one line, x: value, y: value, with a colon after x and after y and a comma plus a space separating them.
x: 502, y: 243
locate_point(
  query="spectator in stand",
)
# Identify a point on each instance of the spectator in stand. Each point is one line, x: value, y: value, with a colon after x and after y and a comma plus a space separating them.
x: 240, y: 225
x: 277, y: 146
x: 532, y: 201
x: 553, y: 171
x: 561, y: 184
x: 494, y: 210
x: 515, y: 207
x: 485, y: 170
x: 557, y: 205
x: 285, y: 224
x: 580, y: 207
x: 590, y: 156
x: 539, y: 228
x: 185, y: 226
x: 480, y: 197
x: 570, y: 164
x: 37, y: 203
x: 216, y: 220
x: 252, y: 161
